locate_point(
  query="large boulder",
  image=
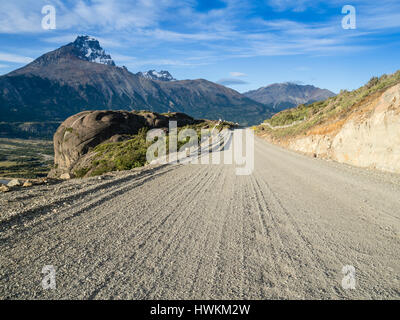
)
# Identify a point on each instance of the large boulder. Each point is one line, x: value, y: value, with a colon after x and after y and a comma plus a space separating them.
x: 80, y: 133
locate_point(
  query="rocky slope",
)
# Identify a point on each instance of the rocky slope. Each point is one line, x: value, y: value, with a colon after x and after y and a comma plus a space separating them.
x: 90, y: 50
x: 361, y: 128
x: 280, y: 96
x: 155, y: 75
x: 81, y: 76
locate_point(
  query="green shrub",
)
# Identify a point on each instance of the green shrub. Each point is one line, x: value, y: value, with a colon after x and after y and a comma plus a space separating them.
x: 80, y: 173
x: 129, y: 154
x: 123, y: 155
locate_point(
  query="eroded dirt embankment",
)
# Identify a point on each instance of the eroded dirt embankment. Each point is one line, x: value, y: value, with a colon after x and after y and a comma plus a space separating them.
x: 368, y: 136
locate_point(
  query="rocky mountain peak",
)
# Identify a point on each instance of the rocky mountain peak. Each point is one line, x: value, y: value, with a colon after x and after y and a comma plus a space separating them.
x: 90, y: 50
x: 156, y: 75
x: 288, y: 95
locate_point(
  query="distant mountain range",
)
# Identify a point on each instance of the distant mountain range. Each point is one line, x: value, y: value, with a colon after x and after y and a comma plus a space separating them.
x: 280, y: 96
x: 81, y: 76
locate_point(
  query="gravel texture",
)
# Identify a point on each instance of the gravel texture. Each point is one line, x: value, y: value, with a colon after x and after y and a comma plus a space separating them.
x: 201, y: 232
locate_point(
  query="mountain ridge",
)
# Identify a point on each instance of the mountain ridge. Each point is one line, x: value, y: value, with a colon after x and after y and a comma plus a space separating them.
x: 286, y: 95
x: 64, y: 82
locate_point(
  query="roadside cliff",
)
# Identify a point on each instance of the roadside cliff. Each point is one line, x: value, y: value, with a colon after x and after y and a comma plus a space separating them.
x: 360, y: 128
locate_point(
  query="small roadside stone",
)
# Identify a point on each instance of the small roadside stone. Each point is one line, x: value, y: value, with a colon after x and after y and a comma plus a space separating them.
x: 4, y: 188
x: 65, y: 176
x: 14, y: 183
x: 27, y: 184
x: 37, y: 182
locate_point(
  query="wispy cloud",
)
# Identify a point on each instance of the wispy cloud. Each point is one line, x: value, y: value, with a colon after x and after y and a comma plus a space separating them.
x: 20, y: 17
x: 298, y: 82
x: 296, y: 6
x: 231, y: 81
x: 162, y: 62
x: 9, y: 57
x: 166, y: 32
x: 237, y: 74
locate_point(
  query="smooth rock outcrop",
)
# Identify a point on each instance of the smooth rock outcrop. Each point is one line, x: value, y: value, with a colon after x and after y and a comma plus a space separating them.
x: 82, y: 132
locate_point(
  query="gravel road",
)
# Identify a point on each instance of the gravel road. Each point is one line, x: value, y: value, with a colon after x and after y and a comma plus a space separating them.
x: 202, y: 232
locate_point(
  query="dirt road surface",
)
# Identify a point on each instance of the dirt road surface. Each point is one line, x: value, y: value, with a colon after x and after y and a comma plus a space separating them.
x: 202, y: 232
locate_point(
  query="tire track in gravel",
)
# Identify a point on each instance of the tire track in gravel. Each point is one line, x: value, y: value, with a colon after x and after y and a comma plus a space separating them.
x: 146, y: 229
x: 319, y: 272
x: 201, y: 232
x: 175, y: 224
x: 330, y: 248
x: 277, y: 254
x: 178, y: 240
x: 207, y: 269
x: 100, y: 216
x: 199, y: 241
x: 288, y: 230
x: 68, y: 213
x: 142, y: 229
x: 79, y: 197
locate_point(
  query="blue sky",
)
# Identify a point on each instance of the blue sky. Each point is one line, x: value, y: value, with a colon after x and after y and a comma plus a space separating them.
x: 244, y: 44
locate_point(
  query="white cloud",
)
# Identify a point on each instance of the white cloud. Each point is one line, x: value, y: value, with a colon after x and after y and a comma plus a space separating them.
x: 231, y: 81
x: 237, y: 74
x: 122, y: 57
x: 9, y: 57
x: 105, y: 42
x: 163, y: 62
x: 174, y: 27
x: 292, y: 5
x: 20, y: 17
x: 166, y: 35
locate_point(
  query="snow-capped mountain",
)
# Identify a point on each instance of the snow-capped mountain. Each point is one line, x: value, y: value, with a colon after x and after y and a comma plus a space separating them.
x: 155, y: 75
x: 67, y: 80
x: 90, y: 50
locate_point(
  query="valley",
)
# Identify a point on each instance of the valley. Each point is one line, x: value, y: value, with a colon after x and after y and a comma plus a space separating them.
x: 23, y: 158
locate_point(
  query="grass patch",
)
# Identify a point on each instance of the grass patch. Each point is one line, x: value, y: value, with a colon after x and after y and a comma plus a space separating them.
x: 7, y: 164
x: 129, y: 154
x: 118, y: 156
x: 20, y: 158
